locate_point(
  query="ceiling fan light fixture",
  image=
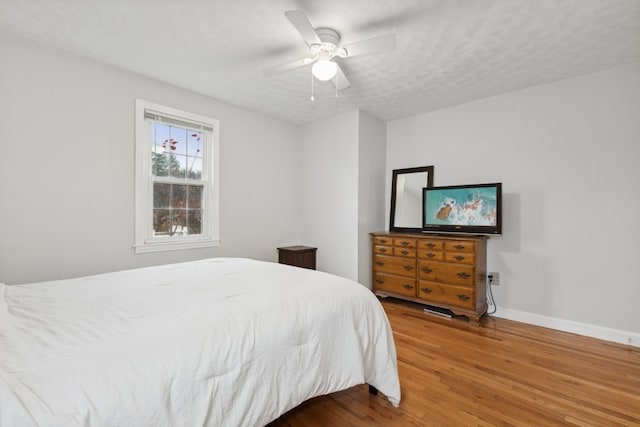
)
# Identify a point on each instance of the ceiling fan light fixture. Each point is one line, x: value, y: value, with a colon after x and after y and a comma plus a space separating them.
x: 324, y: 69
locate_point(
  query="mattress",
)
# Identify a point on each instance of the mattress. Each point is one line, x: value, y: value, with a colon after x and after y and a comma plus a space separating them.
x: 219, y: 342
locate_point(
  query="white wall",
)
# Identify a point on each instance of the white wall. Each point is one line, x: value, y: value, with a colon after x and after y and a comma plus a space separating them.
x: 342, y: 174
x: 568, y: 155
x: 67, y: 168
x: 372, y: 138
x: 328, y: 174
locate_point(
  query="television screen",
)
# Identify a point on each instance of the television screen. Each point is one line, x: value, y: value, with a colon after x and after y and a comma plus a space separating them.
x: 474, y: 209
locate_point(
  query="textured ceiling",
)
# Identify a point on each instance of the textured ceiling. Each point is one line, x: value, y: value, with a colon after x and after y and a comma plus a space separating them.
x: 448, y: 51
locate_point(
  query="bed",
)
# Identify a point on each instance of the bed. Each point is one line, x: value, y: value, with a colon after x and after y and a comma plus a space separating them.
x: 219, y: 342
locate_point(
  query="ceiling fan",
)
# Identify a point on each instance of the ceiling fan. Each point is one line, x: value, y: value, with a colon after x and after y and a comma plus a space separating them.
x: 324, y: 47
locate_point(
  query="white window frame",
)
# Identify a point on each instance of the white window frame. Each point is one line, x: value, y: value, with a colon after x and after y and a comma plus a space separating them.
x: 145, y: 241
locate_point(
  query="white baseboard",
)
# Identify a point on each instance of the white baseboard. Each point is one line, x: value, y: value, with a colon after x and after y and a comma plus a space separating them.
x: 607, y: 334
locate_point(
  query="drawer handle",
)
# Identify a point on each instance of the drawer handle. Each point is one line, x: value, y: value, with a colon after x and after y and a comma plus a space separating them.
x: 408, y: 267
x: 404, y: 243
x: 459, y: 247
x: 463, y: 275
x: 463, y: 297
x: 379, y: 263
x: 459, y: 257
x: 431, y: 255
x: 407, y: 286
x: 426, y: 269
x: 383, y: 250
x: 431, y: 245
x: 379, y: 281
x: 404, y: 252
x: 383, y: 240
x: 426, y: 290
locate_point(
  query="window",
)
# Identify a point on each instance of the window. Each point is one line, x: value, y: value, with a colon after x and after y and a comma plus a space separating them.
x: 176, y: 179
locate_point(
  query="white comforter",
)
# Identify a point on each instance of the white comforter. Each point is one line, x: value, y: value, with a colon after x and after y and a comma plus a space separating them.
x: 219, y: 342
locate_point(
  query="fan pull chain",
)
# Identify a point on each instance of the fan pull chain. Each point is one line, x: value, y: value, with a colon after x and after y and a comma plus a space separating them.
x: 312, y: 97
x: 335, y: 83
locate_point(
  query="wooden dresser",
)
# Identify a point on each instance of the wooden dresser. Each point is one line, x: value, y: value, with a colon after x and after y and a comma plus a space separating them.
x: 441, y: 271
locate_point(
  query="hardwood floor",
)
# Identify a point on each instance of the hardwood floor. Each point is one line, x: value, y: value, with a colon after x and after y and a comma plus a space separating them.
x: 501, y: 373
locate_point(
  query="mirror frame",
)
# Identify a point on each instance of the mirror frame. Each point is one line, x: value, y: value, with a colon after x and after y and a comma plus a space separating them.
x: 396, y: 172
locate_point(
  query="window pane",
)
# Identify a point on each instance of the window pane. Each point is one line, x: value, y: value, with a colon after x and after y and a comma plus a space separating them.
x: 160, y: 135
x: 161, y: 195
x: 179, y: 222
x: 195, y: 197
x: 179, y: 196
x: 194, y: 170
x: 178, y: 166
x: 195, y: 221
x: 161, y: 221
x: 194, y: 144
x: 178, y: 140
x: 159, y: 164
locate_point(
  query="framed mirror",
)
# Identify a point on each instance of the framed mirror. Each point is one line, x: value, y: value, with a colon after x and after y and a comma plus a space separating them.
x: 406, y: 198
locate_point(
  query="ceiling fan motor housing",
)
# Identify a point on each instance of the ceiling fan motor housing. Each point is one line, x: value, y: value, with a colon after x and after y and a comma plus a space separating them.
x: 330, y: 39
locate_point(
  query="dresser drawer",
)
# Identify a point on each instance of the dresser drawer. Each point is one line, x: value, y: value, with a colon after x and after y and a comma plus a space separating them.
x: 405, y: 252
x: 384, y: 250
x: 430, y: 254
x: 431, y: 245
x: 460, y: 246
x: 403, y: 242
x: 455, y: 274
x: 398, y: 285
x: 446, y: 294
x: 461, y: 257
x: 394, y: 265
x: 382, y: 240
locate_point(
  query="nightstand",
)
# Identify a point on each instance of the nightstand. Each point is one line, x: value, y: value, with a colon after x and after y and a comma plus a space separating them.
x: 299, y: 256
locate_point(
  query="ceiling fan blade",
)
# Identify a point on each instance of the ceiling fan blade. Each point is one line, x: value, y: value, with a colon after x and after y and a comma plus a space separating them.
x: 376, y: 44
x: 286, y: 67
x: 341, y: 80
x: 304, y: 27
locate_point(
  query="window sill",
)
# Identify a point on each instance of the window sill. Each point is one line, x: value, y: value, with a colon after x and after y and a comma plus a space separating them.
x: 175, y: 246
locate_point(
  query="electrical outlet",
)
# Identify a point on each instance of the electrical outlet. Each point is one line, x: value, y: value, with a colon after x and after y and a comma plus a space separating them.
x: 494, y: 278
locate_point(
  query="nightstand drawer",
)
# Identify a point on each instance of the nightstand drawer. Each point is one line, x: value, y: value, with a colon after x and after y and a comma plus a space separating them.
x: 298, y: 256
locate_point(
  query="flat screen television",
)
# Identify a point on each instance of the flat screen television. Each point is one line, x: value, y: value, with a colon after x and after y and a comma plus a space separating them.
x: 468, y: 209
